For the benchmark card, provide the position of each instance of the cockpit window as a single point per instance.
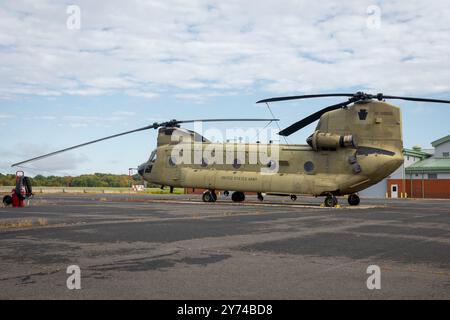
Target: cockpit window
(200, 138)
(152, 156)
(318, 126)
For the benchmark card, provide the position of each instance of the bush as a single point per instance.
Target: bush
(102, 180)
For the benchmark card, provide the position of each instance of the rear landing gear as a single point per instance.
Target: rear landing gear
(330, 201)
(209, 196)
(238, 196)
(260, 196)
(353, 200)
(293, 197)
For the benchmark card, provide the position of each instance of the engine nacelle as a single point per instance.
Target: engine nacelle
(330, 141)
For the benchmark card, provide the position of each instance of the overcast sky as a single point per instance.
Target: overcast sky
(133, 62)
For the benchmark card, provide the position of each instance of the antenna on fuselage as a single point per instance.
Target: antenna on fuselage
(279, 128)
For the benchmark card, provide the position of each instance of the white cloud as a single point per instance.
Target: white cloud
(202, 97)
(203, 48)
(142, 94)
(98, 121)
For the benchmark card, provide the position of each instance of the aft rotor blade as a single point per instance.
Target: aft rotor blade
(80, 145)
(309, 96)
(362, 95)
(313, 117)
(416, 99)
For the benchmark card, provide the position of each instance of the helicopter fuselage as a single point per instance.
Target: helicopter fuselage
(352, 149)
(301, 171)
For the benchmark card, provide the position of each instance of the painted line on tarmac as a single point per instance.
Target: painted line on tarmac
(252, 204)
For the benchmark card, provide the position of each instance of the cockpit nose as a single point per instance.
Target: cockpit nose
(145, 168)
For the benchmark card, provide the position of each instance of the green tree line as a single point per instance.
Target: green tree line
(86, 180)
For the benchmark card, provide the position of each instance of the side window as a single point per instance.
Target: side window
(172, 161)
(308, 167)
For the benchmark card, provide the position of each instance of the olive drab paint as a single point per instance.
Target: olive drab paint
(352, 149)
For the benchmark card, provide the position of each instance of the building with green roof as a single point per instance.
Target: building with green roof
(435, 167)
(438, 167)
(440, 141)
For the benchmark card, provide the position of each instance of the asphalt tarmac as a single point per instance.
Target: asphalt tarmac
(177, 247)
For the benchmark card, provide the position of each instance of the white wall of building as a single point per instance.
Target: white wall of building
(441, 149)
(376, 191)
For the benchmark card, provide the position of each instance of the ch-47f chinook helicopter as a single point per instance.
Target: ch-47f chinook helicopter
(356, 144)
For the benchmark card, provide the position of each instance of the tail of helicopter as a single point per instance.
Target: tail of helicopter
(365, 129)
(374, 130)
(374, 124)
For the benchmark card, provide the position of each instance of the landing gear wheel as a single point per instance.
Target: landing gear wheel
(7, 200)
(293, 197)
(209, 196)
(238, 196)
(226, 193)
(330, 201)
(260, 197)
(353, 200)
(206, 196)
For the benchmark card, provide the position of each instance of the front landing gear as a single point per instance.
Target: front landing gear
(353, 200)
(330, 201)
(260, 196)
(209, 196)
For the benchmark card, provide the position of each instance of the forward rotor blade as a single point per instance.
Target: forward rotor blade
(80, 145)
(416, 99)
(226, 120)
(306, 97)
(313, 117)
(153, 126)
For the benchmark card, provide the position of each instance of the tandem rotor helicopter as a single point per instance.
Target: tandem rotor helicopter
(356, 144)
